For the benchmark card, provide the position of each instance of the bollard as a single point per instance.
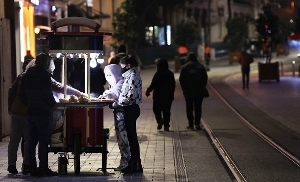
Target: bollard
(293, 67)
(281, 65)
(299, 71)
(177, 64)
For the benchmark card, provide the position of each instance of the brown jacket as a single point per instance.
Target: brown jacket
(15, 106)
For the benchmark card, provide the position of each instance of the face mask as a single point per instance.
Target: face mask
(125, 69)
(122, 65)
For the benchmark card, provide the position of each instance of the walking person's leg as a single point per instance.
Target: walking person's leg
(247, 77)
(25, 141)
(243, 78)
(43, 138)
(167, 114)
(44, 127)
(198, 111)
(189, 112)
(32, 142)
(13, 145)
(157, 110)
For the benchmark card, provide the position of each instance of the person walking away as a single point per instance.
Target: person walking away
(35, 92)
(182, 50)
(19, 126)
(207, 56)
(193, 80)
(163, 87)
(130, 98)
(245, 60)
(113, 75)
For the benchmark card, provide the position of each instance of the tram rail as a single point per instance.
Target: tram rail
(232, 165)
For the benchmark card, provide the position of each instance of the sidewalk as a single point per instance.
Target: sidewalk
(160, 150)
(156, 151)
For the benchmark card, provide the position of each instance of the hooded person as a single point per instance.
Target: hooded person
(36, 92)
(19, 126)
(113, 75)
(193, 79)
(163, 87)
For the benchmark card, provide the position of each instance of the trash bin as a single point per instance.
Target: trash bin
(62, 164)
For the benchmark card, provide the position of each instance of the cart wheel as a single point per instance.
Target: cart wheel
(77, 151)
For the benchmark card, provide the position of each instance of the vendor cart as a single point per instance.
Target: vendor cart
(83, 130)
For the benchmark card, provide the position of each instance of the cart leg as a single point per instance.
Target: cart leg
(77, 152)
(104, 152)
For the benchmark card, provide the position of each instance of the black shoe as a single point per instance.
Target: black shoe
(128, 169)
(166, 129)
(12, 169)
(198, 127)
(139, 167)
(160, 124)
(190, 127)
(134, 166)
(46, 172)
(25, 169)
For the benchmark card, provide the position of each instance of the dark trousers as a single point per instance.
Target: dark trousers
(162, 111)
(245, 76)
(193, 105)
(131, 113)
(39, 130)
(207, 59)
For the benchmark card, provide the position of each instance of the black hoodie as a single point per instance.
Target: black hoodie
(36, 92)
(163, 82)
(193, 77)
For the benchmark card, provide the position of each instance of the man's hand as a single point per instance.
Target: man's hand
(147, 94)
(114, 106)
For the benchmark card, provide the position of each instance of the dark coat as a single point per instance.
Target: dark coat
(15, 106)
(36, 92)
(163, 83)
(193, 78)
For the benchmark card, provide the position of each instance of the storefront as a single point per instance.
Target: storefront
(32, 18)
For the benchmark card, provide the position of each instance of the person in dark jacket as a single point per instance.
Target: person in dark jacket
(245, 60)
(36, 92)
(19, 126)
(163, 87)
(97, 81)
(193, 80)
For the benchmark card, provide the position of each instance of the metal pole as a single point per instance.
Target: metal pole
(281, 65)
(293, 67)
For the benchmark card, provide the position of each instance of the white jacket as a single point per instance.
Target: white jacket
(113, 75)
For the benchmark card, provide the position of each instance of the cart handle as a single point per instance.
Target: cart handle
(77, 21)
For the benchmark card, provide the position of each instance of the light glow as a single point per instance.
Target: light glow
(93, 63)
